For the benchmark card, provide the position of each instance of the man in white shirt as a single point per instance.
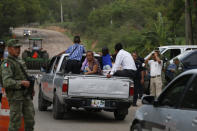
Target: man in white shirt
(125, 61)
(155, 73)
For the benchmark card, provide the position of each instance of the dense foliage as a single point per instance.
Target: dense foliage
(139, 24)
(20, 12)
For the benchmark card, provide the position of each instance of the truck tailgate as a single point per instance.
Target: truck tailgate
(96, 87)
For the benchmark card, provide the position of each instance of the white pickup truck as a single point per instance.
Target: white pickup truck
(90, 92)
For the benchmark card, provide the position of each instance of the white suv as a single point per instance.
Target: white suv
(172, 51)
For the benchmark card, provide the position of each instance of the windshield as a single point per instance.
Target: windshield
(161, 50)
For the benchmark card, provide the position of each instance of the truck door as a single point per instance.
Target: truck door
(48, 78)
(52, 77)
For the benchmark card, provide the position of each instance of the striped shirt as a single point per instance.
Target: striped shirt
(78, 53)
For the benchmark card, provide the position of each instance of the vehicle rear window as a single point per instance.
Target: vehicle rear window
(190, 59)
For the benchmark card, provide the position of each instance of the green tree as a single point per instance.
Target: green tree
(17, 12)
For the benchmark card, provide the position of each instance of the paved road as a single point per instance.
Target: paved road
(80, 120)
(77, 120)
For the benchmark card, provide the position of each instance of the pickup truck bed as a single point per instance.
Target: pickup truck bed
(91, 92)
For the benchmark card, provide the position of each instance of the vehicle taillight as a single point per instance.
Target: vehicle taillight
(65, 86)
(131, 90)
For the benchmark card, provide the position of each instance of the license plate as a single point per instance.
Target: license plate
(98, 103)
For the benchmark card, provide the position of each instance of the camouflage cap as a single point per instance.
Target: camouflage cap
(13, 43)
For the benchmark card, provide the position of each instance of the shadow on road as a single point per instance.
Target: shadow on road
(85, 116)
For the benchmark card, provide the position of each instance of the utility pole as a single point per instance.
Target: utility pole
(61, 8)
(188, 23)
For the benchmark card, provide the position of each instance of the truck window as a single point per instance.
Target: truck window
(50, 66)
(56, 64)
(171, 53)
(63, 66)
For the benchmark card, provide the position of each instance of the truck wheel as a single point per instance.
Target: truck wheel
(58, 108)
(136, 127)
(120, 114)
(42, 103)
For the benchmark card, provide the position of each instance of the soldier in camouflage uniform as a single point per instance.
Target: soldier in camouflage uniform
(16, 85)
(172, 70)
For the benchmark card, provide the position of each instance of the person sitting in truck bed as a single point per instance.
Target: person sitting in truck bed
(90, 64)
(125, 61)
(106, 59)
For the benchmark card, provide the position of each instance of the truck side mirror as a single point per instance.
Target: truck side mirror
(43, 69)
(148, 100)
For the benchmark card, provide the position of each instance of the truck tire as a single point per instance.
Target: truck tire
(58, 108)
(42, 103)
(136, 127)
(120, 114)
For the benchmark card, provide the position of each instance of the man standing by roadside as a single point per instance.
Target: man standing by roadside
(155, 73)
(125, 61)
(138, 92)
(14, 79)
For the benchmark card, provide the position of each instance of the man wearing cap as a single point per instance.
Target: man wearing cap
(15, 83)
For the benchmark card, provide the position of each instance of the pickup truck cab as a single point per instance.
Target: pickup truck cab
(90, 92)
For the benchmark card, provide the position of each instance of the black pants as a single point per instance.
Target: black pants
(126, 73)
(73, 66)
(138, 90)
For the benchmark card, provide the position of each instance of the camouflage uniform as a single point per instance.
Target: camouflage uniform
(20, 104)
(179, 69)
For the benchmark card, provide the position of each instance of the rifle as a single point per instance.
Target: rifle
(31, 79)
